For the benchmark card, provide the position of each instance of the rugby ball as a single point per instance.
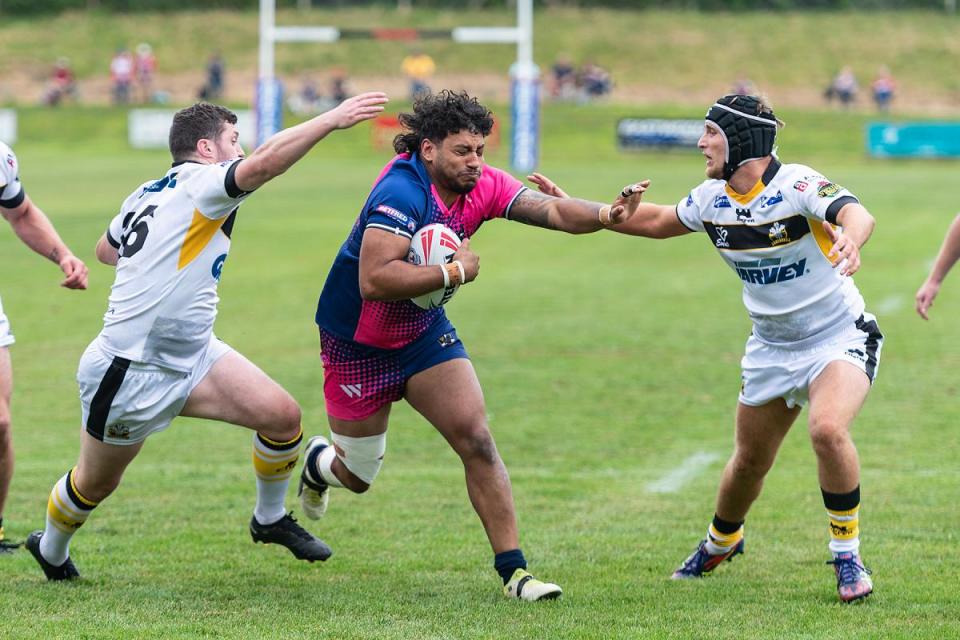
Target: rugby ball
(433, 244)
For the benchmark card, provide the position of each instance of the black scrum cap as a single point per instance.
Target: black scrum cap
(748, 126)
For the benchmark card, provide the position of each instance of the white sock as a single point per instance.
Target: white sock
(274, 463)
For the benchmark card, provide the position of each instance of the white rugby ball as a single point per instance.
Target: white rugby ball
(433, 244)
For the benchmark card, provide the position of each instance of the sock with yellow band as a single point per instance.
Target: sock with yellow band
(67, 510)
(843, 509)
(723, 535)
(274, 463)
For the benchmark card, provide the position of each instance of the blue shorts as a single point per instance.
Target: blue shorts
(359, 380)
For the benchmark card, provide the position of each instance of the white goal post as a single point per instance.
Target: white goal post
(525, 76)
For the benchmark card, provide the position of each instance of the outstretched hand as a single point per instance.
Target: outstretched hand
(844, 254)
(627, 202)
(357, 109)
(547, 186)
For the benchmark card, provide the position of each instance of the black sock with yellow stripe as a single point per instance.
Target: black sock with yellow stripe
(843, 509)
(274, 463)
(67, 510)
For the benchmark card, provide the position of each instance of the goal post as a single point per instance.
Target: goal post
(524, 74)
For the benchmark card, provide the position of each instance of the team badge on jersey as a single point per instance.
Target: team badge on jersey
(828, 189)
(778, 234)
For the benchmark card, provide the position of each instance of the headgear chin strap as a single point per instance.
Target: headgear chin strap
(748, 127)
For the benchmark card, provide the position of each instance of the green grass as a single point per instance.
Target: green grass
(682, 51)
(605, 362)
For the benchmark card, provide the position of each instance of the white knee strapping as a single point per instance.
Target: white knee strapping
(361, 456)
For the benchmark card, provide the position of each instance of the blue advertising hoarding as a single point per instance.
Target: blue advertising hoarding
(913, 139)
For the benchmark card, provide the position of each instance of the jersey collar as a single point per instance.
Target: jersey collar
(765, 179)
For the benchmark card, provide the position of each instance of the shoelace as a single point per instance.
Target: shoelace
(696, 560)
(848, 570)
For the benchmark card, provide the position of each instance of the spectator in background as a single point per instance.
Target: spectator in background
(62, 84)
(307, 100)
(338, 85)
(843, 88)
(883, 88)
(213, 88)
(564, 76)
(121, 75)
(743, 86)
(419, 68)
(595, 81)
(145, 65)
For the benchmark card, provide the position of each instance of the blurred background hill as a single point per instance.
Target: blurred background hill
(676, 56)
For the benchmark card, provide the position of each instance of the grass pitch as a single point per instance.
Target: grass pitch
(606, 362)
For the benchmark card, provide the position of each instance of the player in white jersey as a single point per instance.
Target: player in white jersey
(157, 356)
(776, 227)
(948, 256)
(35, 230)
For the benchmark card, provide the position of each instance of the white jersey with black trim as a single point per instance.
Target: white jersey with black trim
(172, 236)
(773, 239)
(11, 191)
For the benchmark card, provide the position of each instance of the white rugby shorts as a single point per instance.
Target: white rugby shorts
(123, 402)
(774, 372)
(6, 338)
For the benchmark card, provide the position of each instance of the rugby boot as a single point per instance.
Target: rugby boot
(524, 586)
(65, 571)
(287, 533)
(853, 579)
(702, 561)
(7, 546)
(314, 494)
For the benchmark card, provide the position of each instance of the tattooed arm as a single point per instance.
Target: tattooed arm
(573, 215)
(36, 231)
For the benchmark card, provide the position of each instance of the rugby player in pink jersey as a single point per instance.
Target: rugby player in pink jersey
(378, 347)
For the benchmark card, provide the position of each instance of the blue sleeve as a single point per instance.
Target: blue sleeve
(397, 205)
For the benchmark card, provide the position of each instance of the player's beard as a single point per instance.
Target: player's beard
(461, 182)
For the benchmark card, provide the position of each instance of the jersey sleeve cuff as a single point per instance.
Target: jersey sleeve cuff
(835, 206)
(113, 243)
(506, 211)
(391, 228)
(677, 211)
(230, 182)
(15, 201)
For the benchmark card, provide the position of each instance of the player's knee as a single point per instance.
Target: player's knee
(751, 464)
(283, 423)
(476, 445)
(361, 457)
(828, 434)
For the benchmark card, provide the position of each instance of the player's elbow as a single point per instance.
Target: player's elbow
(370, 290)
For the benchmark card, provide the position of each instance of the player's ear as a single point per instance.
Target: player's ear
(205, 148)
(427, 149)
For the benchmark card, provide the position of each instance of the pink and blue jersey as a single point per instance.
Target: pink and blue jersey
(402, 200)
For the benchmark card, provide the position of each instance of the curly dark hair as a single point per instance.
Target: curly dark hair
(198, 122)
(435, 116)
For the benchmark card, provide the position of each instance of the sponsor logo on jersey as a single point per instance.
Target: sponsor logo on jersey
(390, 212)
(769, 270)
(721, 238)
(161, 184)
(800, 185)
(828, 189)
(218, 266)
(690, 199)
(772, 200)
(11, 161)
(744, 215)
(721, 202)
(778, 234)
(858, 354)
